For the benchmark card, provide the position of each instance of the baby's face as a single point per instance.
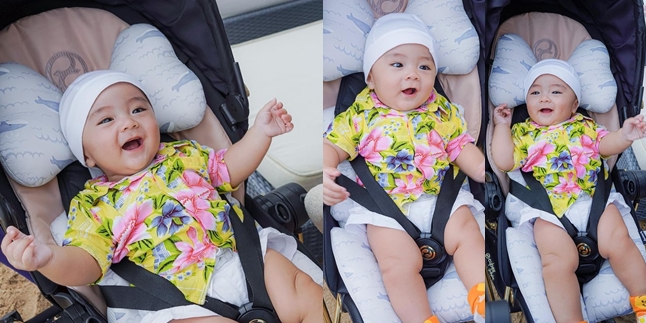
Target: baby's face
(550, 101)
(403, 77)
(121, 135)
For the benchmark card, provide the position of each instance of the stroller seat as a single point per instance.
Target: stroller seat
(351, 262)
(603, 297)
(63, 44)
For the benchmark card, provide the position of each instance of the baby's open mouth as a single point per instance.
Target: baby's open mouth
(410, 91)
(545, 110)
(132, 144)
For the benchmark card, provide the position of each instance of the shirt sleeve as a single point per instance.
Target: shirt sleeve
(520, 139)
(460, 136)
(345, 131)
(86, 230)
(600, 133)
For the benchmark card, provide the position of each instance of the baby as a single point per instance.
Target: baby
(159, 206)
(564, 151)
(409, 135)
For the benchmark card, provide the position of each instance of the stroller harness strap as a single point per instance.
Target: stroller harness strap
(152, 292)
(590, 260)
(374, 198)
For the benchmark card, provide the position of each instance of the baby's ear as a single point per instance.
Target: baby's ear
(89, 162)
(575, 106)
(369, 82)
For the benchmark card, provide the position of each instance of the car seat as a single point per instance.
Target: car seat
(351, 270)
(43, 204)
(603, 297)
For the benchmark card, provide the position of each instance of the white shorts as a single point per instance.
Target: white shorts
(420, 212)
(228, 281)
(523, 216)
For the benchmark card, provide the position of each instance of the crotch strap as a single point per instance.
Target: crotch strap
(374, 198)
(590, 260)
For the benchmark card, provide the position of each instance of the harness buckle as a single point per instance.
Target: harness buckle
(250, 314)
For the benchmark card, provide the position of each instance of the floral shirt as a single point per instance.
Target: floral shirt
(564, 157)
(407, 152)
(167, 218)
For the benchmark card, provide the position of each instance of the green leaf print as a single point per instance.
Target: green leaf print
(576, 132)
(539, 170)
(145, 244)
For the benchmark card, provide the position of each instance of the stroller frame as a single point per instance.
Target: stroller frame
(624, 17)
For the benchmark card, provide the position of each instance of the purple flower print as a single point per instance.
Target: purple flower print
(561, 162)
(403, 161)
(169, 222)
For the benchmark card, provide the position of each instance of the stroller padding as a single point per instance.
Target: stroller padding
(63, 43)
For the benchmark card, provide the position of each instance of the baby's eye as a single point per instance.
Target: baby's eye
(138, 110)
(105, 120)
(425, 68)
(535, 93)
(556, 92)
(397, 65)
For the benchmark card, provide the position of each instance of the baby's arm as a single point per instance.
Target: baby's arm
(333, 193)
(471, 162)
(68, 266)
(502, 146)
(243, 157)
(617, 141)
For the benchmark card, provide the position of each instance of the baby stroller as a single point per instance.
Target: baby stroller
(553, 29)
(207, 55)
(350, 268)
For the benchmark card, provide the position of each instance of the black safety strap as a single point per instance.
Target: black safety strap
(152, 292)
(536, 197)
(248, 245)
(374, 198)
(385, 203)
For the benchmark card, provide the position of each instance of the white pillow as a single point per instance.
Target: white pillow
(347, 23)
(32, 148)
(514, 58)
(176, 93)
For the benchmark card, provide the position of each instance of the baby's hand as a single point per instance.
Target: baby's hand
(634, 128)
(501, 115)
(333, 193)
(24, 251)
(273, 120)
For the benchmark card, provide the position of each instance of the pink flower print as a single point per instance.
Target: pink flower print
(567, 185)
(589, 147)
(218, 171)
(424, 160)
(197, 207)
(134, 184)
(579, 160)
(454, 148)
(192, 253)
(356, 122)
(198, 185)
(130, 228)
(537, 155)
(408, 186)
(372, 144)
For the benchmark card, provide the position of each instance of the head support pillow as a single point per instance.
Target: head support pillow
(346, 25)
(32, 147)
(514, 59)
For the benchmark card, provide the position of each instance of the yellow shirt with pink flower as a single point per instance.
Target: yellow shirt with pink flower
(564, 157)
(167, 218)
(409, 152)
